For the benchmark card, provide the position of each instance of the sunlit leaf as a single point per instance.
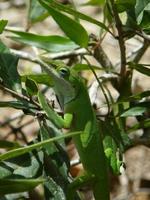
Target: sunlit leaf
(77, 14)
(36, 12)
(95, 2)
(140, 7)
(3, 48)
(26, 149)
(8, 186)
(50, 43)
(3, 23)
(71, 28)
(39, 78)
(135, 111)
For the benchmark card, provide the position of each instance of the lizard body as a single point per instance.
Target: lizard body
(89, 144)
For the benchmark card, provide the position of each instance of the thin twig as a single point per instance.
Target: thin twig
(18, 96)
(141, 51)
(99, 82)
(60, 55)
(100, 55)
(120, 40)
(140, 141)
(143, 35)
(14, 94)
(136, 54)
(102, 58)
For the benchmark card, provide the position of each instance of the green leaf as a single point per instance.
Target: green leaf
(18, 105)
(36, 12)
(52, 190)
(8, 186)
(39, 78)
(132, 98)
(8, 144)
(54, 63)
(71, 28)
(31, 87)
(140, 7)
(57, 159)
(15, 196)
(47, 130)
(95, 2)
(5, 171)
(3, 23)
(8, 71)
(3, 48)
(23, 150)
(76, 14)
(56, 168)
(140, 68)
(28, 165)
(53, 43)
(145, 25)
(81, 67)
(124, 5)
(135, 111)
(138, 96)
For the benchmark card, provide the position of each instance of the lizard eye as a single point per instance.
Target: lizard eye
(64, 72)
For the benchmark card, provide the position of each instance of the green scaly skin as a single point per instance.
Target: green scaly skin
(91, 153)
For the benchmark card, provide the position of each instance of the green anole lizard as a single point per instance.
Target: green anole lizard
(79, 116)
(86, 133)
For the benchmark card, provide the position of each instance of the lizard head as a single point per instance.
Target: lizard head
(69, 77)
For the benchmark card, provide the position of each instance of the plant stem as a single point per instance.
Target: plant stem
(120, 40)
(18, 96)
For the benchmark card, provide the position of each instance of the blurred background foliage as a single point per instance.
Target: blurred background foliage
(108, 37)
